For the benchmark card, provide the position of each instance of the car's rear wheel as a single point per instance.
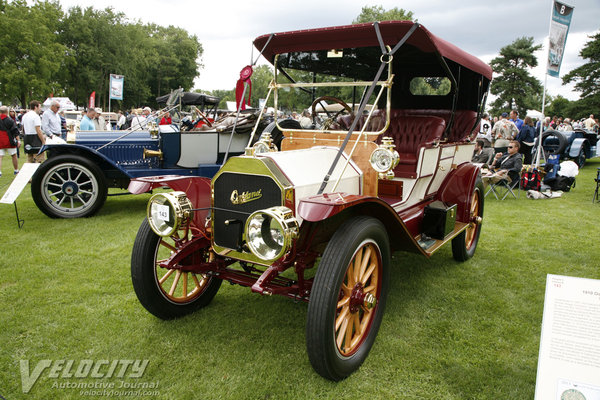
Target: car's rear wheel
(347, 298)
(168, 293)
(580, 160)
(464, 245)
(68, 186)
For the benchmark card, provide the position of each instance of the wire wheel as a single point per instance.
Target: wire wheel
(68, 186)
(358, 297)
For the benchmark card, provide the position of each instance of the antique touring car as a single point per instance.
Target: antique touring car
(74, 181)
(339, 198)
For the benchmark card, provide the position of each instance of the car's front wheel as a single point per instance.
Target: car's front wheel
(168, 293)
(68, 186)
(348, 298)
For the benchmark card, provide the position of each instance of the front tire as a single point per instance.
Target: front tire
(464, 245)
(348, 297)
(68, 186)
(167, 293)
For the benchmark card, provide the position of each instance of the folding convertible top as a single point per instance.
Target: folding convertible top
(364, 35)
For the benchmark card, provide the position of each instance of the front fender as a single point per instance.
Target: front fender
(454, 189)
(322, 208)
(197, 189)
(77, 149)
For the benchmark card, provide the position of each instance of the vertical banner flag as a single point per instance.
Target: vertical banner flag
(92, 103)
(559, 28)
(116, 87)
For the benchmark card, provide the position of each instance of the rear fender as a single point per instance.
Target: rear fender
(578, 144)
(453, 190)
(196, 188)
(334, 208)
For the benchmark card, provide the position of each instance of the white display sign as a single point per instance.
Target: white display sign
(569, 359)
(19, 183)
(162, 212)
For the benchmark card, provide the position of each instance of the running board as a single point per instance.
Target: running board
(430, 245)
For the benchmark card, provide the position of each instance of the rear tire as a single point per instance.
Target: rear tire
(348, 297)
(464, 245)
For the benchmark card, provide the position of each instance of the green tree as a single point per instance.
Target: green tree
(378, 13)
(174, 62)
(513, 84)
(30, 55)
(587, 77)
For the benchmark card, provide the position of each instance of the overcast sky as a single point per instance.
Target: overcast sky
(481, 27)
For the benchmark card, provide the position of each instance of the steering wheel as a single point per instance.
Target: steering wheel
(204, 117)
(330, 122)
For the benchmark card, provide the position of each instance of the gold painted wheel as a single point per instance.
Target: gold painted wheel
(169, 293)
(358, 298)
(347, 298)
(471, 231)
(176, 285)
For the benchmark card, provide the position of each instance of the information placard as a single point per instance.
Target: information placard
(19, 183)
(569, 359)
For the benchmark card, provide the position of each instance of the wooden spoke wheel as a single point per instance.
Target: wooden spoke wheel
(358, 298)
(348, 298)
(464, 245)
(168, 293)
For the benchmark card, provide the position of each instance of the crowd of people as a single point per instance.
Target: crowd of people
(498, 141)
(506, 142)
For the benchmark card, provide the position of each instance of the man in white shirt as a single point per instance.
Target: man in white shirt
(34, 137)
(139, 121)
(589, 123)
(51, 120)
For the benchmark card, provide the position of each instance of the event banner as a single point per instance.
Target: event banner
(92, 102)
(559, 29)
(116, 87)
(569, 358)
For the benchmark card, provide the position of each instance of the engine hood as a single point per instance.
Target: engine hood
(305, 169)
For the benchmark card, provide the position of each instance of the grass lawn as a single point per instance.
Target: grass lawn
(451, 330)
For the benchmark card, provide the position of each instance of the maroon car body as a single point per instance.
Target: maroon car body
(340, 196)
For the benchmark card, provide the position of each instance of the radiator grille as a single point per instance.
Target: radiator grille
(230, 236)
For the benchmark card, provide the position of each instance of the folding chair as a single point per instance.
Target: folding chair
(505, 187)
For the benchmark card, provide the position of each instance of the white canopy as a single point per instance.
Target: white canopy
(65, 103)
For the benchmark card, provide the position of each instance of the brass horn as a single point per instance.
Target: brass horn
(153, 153)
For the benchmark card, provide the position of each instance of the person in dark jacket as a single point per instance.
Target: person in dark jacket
(507, 165)
(526, 138)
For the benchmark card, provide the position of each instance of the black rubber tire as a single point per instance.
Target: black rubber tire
(460, 250)
(323, 352)
(562, 141)
(276, 134)
(55, 168)
(580, 160)
(145, 281)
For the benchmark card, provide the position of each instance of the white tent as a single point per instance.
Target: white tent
(65, 103)
(534, 114)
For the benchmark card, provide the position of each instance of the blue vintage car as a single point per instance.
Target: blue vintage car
(577, 145)
(74, 180)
